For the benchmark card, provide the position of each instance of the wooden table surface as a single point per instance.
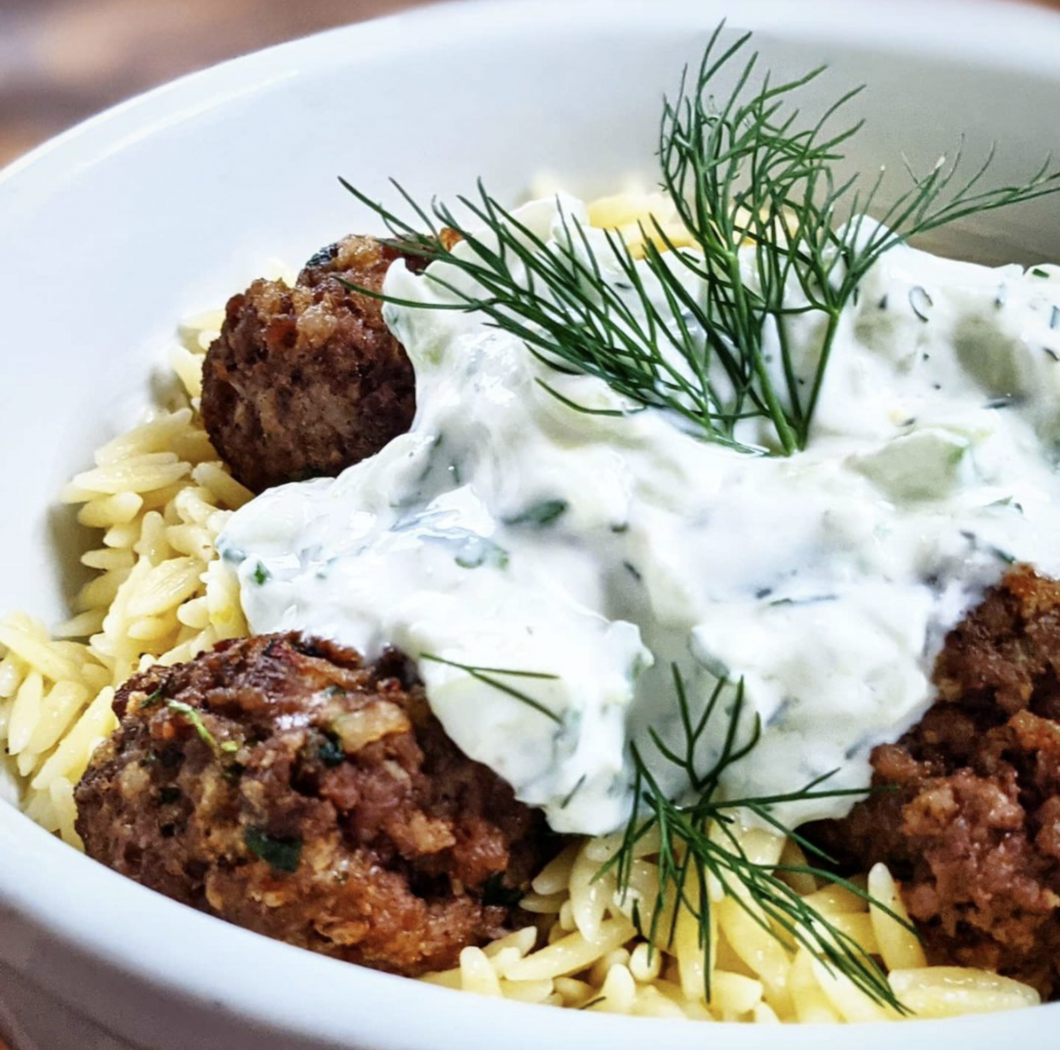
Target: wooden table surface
(62, 60)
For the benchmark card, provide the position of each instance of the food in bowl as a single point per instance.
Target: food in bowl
(576, 667)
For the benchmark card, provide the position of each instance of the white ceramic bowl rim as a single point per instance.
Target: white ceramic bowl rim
(49, 895)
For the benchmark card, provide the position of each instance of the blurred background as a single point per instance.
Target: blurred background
(61, 60)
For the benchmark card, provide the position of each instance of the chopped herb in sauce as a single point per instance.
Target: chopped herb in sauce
(482, 552)
(543, 513)
(920, 302)
(574, 791)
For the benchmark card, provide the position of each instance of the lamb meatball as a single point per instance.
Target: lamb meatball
(281, 784)
(968, 811)
(304, 381)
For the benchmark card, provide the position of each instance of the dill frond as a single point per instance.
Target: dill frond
(684, 329)
(491, 676)
(697, 844)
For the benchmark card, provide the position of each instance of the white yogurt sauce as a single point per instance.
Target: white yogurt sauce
(507, 530)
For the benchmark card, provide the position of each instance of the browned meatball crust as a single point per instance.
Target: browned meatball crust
(279, 783)
(304, 381)
(969, 814)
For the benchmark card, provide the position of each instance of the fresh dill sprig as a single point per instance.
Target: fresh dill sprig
(777, 235)
(698, 845)
(697, 842)
(741, 173)
(488, 676)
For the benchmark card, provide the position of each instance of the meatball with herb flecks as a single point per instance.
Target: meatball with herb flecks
(280, 783)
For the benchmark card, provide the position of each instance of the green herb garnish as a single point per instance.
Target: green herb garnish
(279, 854)
(261, 574)
(488, 676)
(481, 552)
(195, 718)
(689, 853)
(151, 699)
(757, 191)
(569, 798)
(543, 513)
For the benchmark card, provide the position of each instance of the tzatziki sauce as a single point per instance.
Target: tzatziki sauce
(605, 555)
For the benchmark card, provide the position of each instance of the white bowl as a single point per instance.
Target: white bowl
(169, 203)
